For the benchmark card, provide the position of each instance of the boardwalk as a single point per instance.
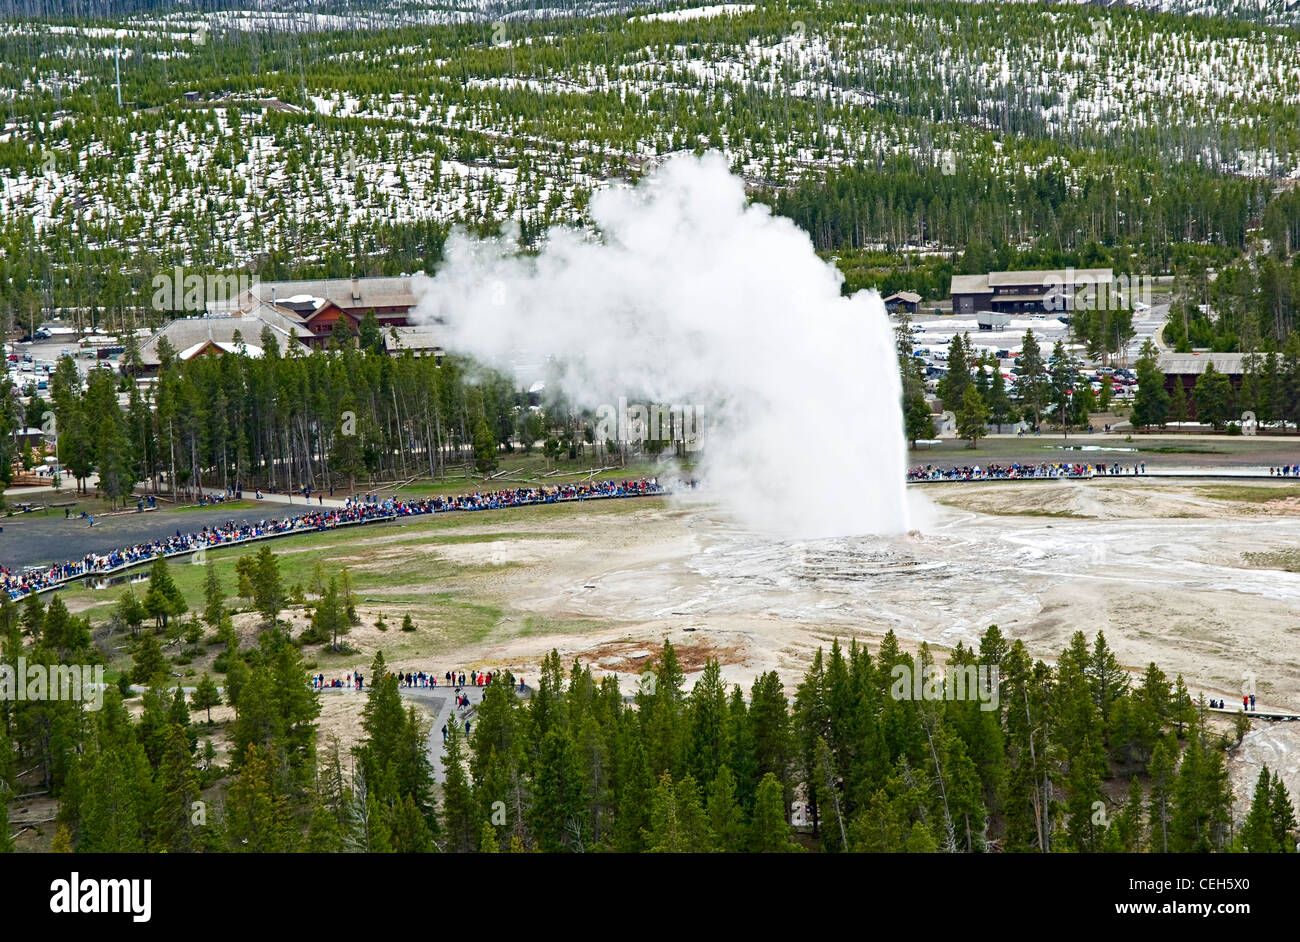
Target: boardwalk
(1256, 714)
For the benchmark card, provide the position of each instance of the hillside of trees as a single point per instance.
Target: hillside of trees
(1011, 135)
(1080, 756)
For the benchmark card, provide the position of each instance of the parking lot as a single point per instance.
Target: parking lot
(31, 363)
(932, 336)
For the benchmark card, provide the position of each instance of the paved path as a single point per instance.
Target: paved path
(295, 500)
(440, 702)
(38, 539)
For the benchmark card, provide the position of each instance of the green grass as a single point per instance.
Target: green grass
(1055, 447)
(1191, 448)
(439, 593)
(1251, 494)
(453, 603)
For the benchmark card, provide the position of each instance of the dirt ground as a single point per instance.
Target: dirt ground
(1170, 574)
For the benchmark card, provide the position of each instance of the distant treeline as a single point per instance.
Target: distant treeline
(901, 203)
(342, 413)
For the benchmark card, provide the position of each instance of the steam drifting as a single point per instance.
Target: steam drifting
(689, 295)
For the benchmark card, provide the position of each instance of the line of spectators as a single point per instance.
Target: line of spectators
(19, 584)
(1016, 471)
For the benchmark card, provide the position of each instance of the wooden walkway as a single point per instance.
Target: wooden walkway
(1256, 714)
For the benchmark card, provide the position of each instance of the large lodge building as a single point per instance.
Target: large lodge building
(300, 315)
(1025, 292)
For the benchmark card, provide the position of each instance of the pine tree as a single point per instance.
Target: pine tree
(409, 829)
(62, 843)
(665, 834)
(1033, 376)
(129, 612)
(206, 696)
(457, 797)
(1283, 817)
(972, 416)
(918, 421)
(694, 823)
(1202, 798)
(953, 386)
(33, 617)
(1178, 402)
(215, 615)
(259, 813)
(1001, 410)
(1256, 835)
(558, 818)
(1128, 823)
(811, 720)
(148, 662)
(769, 830)
(1214, 397)
(769, 717)
(348, 597)
(1086, 807)
(115, 811)
(726, 820)
(178, 789)
(1160, 799)
(488, 841)
(163, 600)
(1107, 678)
(324, 834)
(268, 590)
(708, 738)
(1151, 403)
(329, 619)
(63, 633)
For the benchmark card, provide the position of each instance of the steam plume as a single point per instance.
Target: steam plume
(690, 295)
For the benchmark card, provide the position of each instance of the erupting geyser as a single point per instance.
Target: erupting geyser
(689, 295)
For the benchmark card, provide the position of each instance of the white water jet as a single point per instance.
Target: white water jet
(688, 294)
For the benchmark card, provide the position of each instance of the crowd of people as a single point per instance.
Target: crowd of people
(20, 584)
(451, 680)
(1247, 703)
(1286, 471)
(352, 681)
(1016, 470)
